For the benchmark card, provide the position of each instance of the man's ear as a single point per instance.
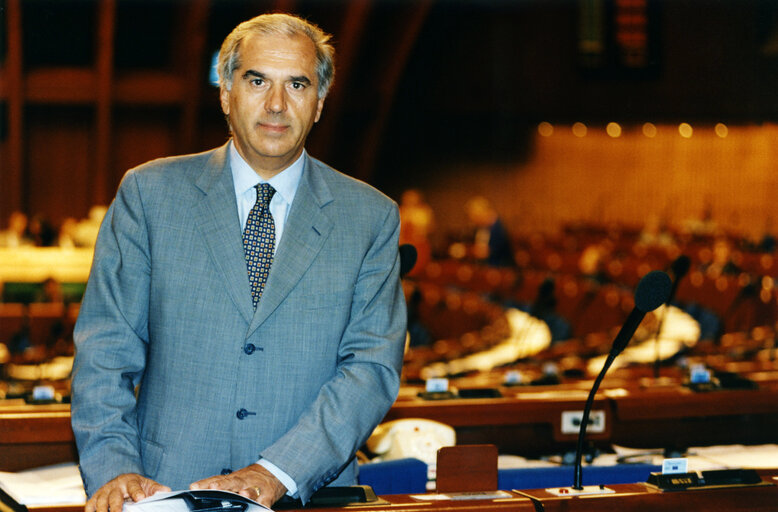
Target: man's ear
(319, 108)
(224, 98)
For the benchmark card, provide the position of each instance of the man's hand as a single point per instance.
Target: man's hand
(129, 486)
(254, 482)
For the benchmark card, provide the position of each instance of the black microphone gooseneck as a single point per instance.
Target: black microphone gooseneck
(652, 291)
(679, 267)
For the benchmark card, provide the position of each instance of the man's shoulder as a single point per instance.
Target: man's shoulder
(173, 166)
(343, 185)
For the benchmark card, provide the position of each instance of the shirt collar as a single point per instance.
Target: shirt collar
(285, 182)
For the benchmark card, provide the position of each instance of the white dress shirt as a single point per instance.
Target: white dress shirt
(285, 184)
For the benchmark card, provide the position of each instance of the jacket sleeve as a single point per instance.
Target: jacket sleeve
(367, 380)
(110, 339)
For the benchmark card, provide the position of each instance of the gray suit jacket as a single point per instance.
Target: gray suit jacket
(177, 378)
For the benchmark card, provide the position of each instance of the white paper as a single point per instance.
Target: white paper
(174, 502)
(50, 485)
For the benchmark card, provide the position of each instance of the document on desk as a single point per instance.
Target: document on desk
(459, 496)
(59, 484)
(203, 500)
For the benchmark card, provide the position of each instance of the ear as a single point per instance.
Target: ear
(319, 108)
(224, 98)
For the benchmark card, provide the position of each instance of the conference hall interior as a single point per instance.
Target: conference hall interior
(549, 158)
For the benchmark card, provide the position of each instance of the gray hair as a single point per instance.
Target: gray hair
(229, 55)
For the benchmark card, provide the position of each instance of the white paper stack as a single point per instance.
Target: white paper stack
(50, 485)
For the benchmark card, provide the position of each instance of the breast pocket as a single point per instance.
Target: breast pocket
(324, 300)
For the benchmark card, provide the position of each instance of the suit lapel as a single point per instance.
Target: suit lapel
(305, 231)
(216, 217)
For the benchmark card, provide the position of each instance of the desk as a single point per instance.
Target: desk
(639, 412)
(632, 497)
(35, 435)
(526, 420)
(34, 264)
(640, 497)
(678, 417)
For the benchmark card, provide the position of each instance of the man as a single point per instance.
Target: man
(492, 241)
(187, 372)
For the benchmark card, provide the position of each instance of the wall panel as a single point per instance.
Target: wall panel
(625, 180)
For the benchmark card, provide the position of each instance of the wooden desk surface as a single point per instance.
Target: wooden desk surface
(526, 420)
(34, 436)
(639, 497)
(632, 497)
(639, 412)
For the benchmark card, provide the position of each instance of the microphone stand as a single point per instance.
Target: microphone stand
(577, 476)
(652, 291)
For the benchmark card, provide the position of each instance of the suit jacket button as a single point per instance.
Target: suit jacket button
(226, 471)
(249, 348)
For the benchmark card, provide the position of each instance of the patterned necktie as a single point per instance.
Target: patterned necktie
(258, 241)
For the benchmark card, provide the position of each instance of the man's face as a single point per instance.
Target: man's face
(273, 101)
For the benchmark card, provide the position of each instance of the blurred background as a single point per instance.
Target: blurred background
(559, 111)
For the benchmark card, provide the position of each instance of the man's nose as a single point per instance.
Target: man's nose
(276, 100)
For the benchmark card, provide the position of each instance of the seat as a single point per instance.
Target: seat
(12, 320)
(47, 323)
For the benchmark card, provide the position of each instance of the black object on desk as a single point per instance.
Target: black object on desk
(203, 502)
(479, 393)
(333, 497)
(705, 480)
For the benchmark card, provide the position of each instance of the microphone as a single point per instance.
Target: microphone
(408, 257)
(652, 291)
(679, 267)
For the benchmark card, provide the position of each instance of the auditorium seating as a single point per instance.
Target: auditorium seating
(13, 319)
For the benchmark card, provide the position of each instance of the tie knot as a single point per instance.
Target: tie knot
(264, 193)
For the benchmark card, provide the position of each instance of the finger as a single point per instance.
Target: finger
(265, 500)
(116, 499)
(208, 483)
(201, 484)
(156, 487)
(91, 505)
(135, 490)
(252, 493)
(216, 482)
(101, 501)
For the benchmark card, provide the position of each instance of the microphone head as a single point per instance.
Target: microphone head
(680, 266)
(408, 257)
(652, 291)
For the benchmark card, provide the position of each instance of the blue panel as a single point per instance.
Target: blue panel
(402, 476)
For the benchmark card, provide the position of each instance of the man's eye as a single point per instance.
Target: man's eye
(257, 81)
(298, 85)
